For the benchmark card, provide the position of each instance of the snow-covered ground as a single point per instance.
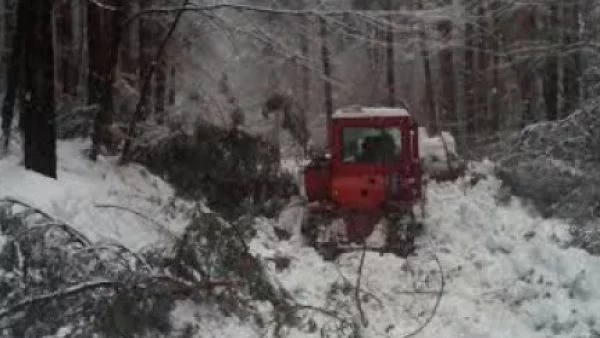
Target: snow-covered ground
(84, 189)
(507, 271)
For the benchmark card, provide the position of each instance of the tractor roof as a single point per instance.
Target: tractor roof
(368, 112)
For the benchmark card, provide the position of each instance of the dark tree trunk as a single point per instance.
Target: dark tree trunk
(103, 28)
(469, 81)
(38, 88)
(66, 45)
(146, 38)
(13, 73)
(572, 67)
(328, 91)
(551, 73)
(482, 69)
(160, 91)
(172, 87)
(526, 32)
(495, 44)
(305, 71)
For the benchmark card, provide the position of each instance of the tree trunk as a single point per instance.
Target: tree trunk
(495, 43)
(305, 71)
(38, 87)
(571, 62)
(146, 39)
(3, 33)
(391, 69)
(429, 98)
(551, 67)
(526, 32)
(13, 76)
(103, 26)
(160, 91)
(482, 69)
(447, 97)
(172, 86)
(469, 81)
(66, 44)
(328, 91)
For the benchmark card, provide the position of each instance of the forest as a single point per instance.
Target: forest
(163, 144)
(117, 69)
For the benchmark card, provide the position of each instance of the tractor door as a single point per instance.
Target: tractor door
(368, 161)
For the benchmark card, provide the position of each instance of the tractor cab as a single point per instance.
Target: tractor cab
(372, 170)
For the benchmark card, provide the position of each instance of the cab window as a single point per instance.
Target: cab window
(371, 145)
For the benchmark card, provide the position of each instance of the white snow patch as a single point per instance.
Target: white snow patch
(83, 184)
(210, 322)
(361, 112)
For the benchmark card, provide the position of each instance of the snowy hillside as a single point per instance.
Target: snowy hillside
(506, 271)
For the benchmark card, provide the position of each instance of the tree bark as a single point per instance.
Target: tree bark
(495, 43)
(3, 33)
(146, 39)
(103, 26)
(38, 88)
(551, 73)
(391, 69)
(429, 98)
(482, 69)
(469, 81)
(571, 62)
(327, 87)
(172, 86)
(305, 71)
(67, 75)
(160, 91)
(447, 97)
(13, 76)
(527, 26)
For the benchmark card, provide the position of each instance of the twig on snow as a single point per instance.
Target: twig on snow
(159, 226)
(79, 288)
(363, 318)
(437, 303)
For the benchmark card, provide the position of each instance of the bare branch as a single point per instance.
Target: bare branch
(159, 226)
(104, 6)
(73, 290)
(363, 318)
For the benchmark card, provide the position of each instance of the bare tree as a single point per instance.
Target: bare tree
(37, 99)
(103, 24)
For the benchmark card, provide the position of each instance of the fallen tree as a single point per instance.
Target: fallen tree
(555, 165)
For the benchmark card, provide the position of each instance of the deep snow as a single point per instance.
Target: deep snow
(508, 272)
(83, 185)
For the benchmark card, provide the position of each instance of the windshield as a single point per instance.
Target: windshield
(371, 145)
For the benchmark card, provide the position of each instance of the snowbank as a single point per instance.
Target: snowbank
(83, 186)
(508, 273)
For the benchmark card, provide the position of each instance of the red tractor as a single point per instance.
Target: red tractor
(368, 190)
